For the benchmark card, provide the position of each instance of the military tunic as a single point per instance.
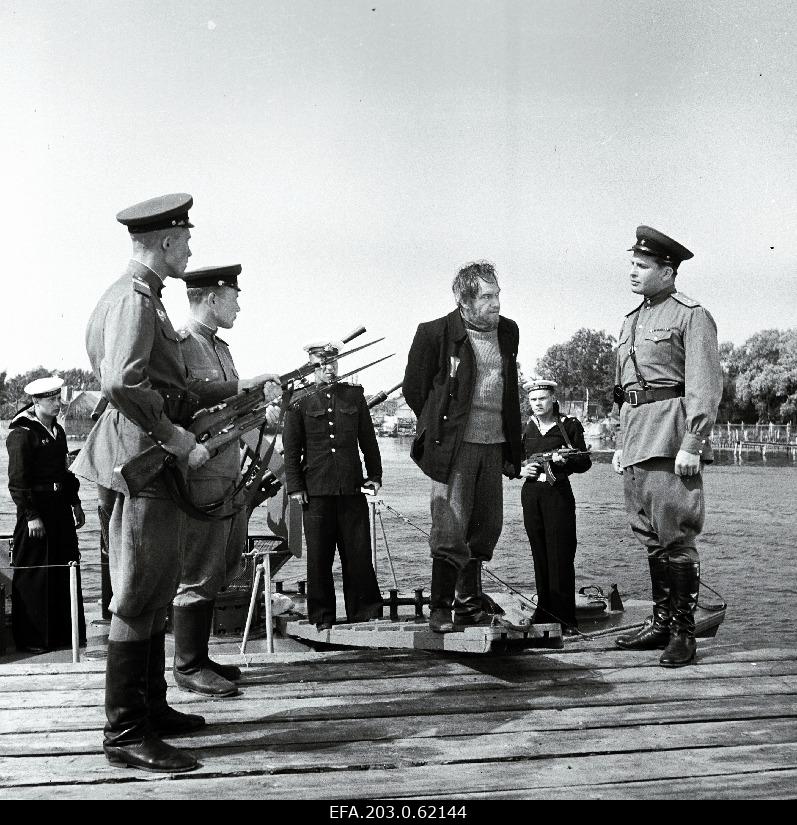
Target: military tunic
(42, 487)
(320, 440)
(211, 548)
(135, 353)
(676, 348)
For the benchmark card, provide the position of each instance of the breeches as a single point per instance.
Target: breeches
(666, 511)
(212, 549)
(145, 546)
(468, 510)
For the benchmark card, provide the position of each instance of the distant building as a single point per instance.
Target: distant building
(76, 418)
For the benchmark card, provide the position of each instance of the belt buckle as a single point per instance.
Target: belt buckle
(632, 397)
(56, 486)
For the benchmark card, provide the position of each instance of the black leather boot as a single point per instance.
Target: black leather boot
(655, 633)
(129, 739)
(444, 580)
(164, 719)
(685, 584)
(468, 596)
(191, 669)
(229, 672)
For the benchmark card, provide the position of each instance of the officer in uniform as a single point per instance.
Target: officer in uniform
(135, 353)
(323, 471)
(48, 512)
(212, 548)
(668, 386)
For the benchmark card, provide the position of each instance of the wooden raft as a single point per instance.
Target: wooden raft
(414, 634)
(593, 722)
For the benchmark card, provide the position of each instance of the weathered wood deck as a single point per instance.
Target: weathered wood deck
(589, 721)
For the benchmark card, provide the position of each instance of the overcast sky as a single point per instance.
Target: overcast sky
(353, 155)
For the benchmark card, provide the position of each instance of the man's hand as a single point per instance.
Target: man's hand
(272, 414)
(36, 528)
(374, 485)
(687, 464)
(617, 462)
(301, 497)
(531, 470)
(198, 456)
(78, 515)
(509, 470)
(268, 380)
(181, 443)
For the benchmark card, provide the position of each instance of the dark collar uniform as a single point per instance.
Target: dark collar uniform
(676, 349)
(42, 487)
(320, 440)
(442, 402)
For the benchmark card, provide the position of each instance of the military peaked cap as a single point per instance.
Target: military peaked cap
(324, 347)
(45, 387)
(163, 212)
(533, 384)
(650, 241)
(214, 276)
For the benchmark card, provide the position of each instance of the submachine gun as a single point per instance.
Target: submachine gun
(224, 423)
(546, 459)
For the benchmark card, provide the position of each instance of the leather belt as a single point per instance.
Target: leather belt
(52, 487)
(648, 396)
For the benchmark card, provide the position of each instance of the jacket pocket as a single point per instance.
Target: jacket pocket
(656, 347)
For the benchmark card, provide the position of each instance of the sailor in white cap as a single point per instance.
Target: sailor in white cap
(549, 510)
(48, 513)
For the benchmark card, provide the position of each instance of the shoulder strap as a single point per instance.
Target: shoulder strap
(632, 352)
(563, 432)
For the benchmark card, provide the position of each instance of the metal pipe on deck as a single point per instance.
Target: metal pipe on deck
(73, 567)
(252, 602)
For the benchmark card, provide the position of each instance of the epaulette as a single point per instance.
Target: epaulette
(685, 300)
(140, 285)
(635, 309)
(183, 333)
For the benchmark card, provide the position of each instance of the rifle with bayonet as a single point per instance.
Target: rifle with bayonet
(225, 423)
(547, 462)
(381, 396)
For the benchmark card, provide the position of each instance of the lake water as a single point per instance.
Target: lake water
(747, 548)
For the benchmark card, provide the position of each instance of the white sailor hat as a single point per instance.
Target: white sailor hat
(324, 347)
(45, 387)
(532, 384)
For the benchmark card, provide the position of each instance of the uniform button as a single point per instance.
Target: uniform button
(329, 409)
(332, 435)
(333, 449)
(328, 395)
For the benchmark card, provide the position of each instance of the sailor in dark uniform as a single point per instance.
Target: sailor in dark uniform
(323, 471)
(669, 385)
(549, 508)
(48, 512)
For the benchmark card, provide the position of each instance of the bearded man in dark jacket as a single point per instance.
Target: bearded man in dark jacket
(461, 382)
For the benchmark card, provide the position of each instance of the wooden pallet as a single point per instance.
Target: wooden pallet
(414, 634)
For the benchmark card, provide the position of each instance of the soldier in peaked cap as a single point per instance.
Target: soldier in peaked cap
(135, 353)
(549, 509)
(48, 512)
(323, 471)
(668, 386)
(211, 548)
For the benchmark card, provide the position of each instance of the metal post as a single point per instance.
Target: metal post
(372, 505)
(73, 610)
(252, 602)
(269, 613)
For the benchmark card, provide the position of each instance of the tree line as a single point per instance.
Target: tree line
(759, 376)
(12, 393)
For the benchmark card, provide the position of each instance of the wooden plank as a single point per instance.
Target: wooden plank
(265, 684)
(355, 746)
(323, 706)
(43, 727)
(574, 774)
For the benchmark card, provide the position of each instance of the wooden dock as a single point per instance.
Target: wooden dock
(588, 721)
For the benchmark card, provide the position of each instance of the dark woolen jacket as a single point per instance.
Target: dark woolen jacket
(442, 402)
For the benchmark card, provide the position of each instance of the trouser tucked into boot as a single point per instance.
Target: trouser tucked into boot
(684, 584)
(129, 739)
(655, 634)
(163, 718)
(192, 670)
(468, 604)
(444, 580)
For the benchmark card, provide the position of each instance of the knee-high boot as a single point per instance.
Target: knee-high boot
(163, 718)
(444, 581)
(191, 668)
(468, 596)
(685, 585)
(655, 634)
(129, 739)
(229, 672)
